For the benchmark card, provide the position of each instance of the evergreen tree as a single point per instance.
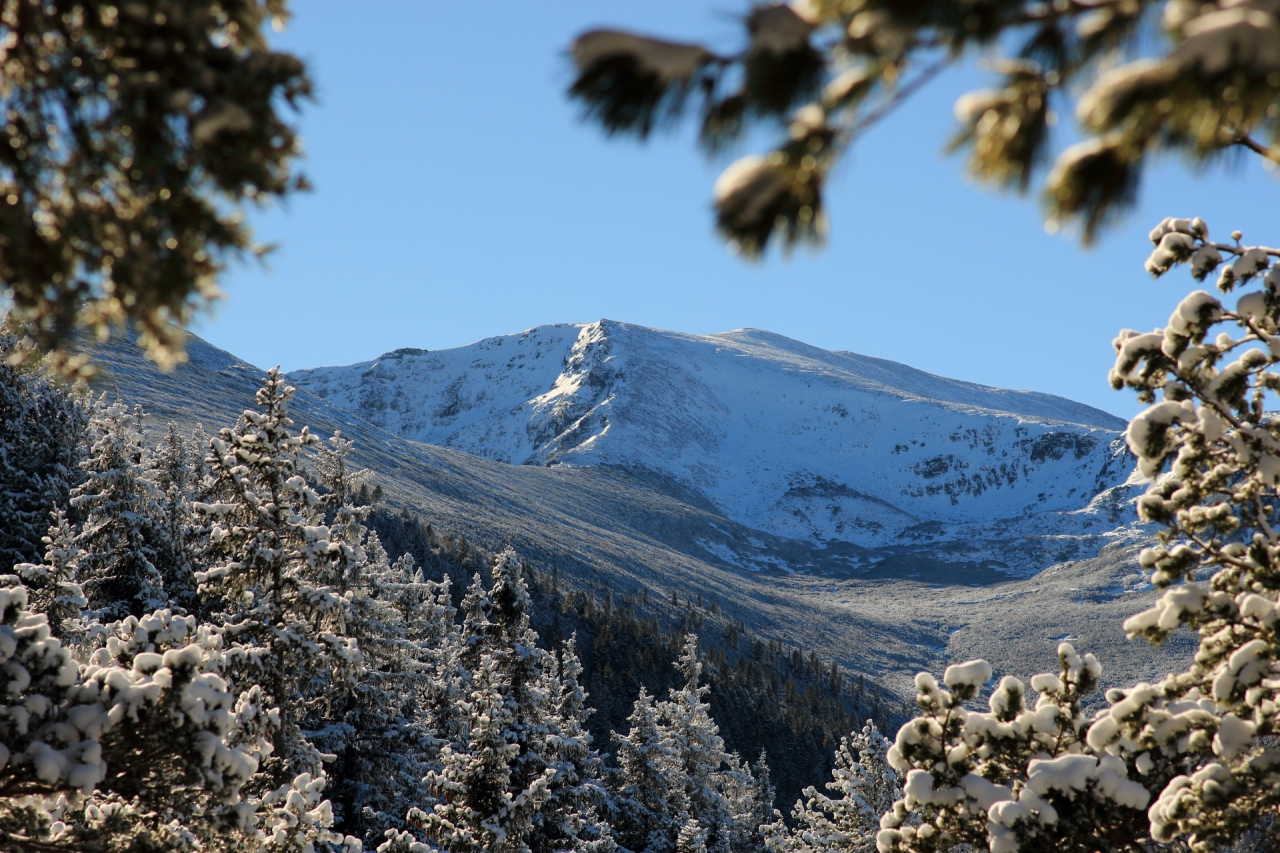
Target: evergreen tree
(521, 775)
(42, 430)
(51, 586)
(383, 730)
(130, 752)
(692, 837)
(484, 805)
(388, 726)
(719, 788)
(674, 773)
(271, 584)
(570, 819)
(750, 795)
(121, 510)
(176, 467)
(1188, 760)
(696, 746)
(863, 786)
(341, 484)
(647, 798)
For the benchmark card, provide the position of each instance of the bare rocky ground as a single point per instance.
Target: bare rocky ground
(624, 529)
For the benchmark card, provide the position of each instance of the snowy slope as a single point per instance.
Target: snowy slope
(904, 607)
(780, 436)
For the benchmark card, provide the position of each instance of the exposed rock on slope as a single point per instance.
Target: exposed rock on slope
(831, 448)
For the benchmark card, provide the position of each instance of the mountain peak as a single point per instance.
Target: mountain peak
(778, 434)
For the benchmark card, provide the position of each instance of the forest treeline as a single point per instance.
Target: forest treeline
(765, 695)
(207, 644)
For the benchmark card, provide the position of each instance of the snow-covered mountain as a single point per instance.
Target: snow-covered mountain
(840, 450)
(883, 612)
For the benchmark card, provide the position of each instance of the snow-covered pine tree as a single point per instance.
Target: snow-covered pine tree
(121, 509)
(700, 760)
(1191, 759)
(51, 586)
(176, 467)
(42, 433)
(483, 804)
(432, 625)
(129, 752)
(674, 772)
(292, 818)
(1016, 778)
(409, 642)
(480, 633)
(570, 819)
(270, 584)
(381, 726)
(692, 837)
(341, 483)
(750, 796)
(863, 786)
(647, 799)
(494, 792)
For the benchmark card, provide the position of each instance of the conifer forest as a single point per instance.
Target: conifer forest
(605, 587)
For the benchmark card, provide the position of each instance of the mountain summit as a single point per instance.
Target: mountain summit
(828, 447)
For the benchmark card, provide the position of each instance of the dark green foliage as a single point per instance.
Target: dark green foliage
(630, 83)
(132, 133)
(42, 434)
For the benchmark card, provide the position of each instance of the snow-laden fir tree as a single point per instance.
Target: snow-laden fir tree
(647, 798)
(176, 467)
(128, 752)
(51, 586)
(292, 818)
(483, 804)
(696, 746)
(42, 430)
(674, 772)
(495, 775)
(382, 725)
(521, 746)
(570, 819)
(692, 837)
(710, 775)
(1213, 451)
(863, 786)
(1190, 759)
(333, 470)
(752, 803)
(121, 512)
(404, 625)
(271, 584)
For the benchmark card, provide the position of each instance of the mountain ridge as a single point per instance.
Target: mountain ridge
(896, 611)
(781, 436)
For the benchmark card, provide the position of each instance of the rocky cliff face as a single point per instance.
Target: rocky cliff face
(832, 448)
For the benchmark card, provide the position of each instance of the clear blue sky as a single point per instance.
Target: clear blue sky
(458, 196)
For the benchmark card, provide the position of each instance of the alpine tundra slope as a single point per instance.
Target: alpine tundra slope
(888, 519)
(864, 458)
